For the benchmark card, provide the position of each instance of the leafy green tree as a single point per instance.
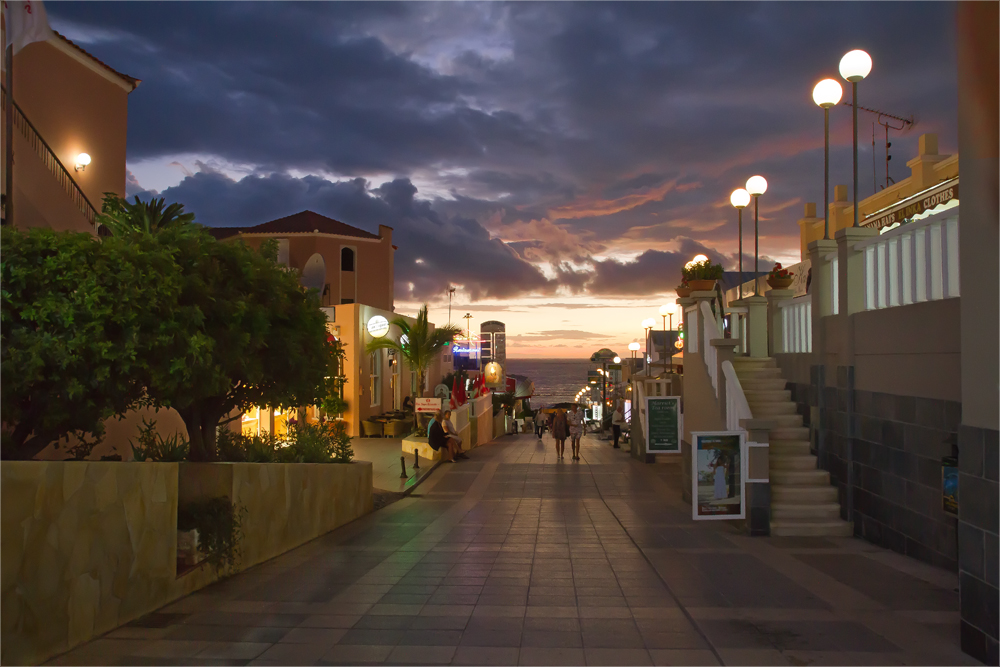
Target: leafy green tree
(419, 345)
(245, 334)
(78, 320)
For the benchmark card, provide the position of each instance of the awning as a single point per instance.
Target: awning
(903, 210)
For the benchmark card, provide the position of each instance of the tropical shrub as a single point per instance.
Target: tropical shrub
(153, 447)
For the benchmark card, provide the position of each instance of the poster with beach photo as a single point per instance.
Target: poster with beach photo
(718, 475)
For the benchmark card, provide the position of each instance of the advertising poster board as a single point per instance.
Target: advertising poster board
(949, 484)
(663, 424)
(718, 476)
(427, 405)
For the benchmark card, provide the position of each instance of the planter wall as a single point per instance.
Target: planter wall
(91, 545)
(287, 504)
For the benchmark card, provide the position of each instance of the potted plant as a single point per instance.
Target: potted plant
(684, 290)
(779, 278)
(701, 276)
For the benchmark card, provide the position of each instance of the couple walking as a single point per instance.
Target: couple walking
(565, 424)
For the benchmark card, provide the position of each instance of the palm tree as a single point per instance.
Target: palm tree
(119, 217)
(418, 344)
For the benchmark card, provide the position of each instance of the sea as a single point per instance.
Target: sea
(556, 380)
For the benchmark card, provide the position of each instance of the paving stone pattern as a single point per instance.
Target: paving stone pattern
(515, 557)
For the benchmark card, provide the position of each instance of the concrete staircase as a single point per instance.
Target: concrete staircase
(803, 502)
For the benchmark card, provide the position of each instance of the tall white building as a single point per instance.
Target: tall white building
(493, 341)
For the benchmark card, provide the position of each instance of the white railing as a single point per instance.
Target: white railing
(711, 332)
(737, 323)
(913, 263)
(691, 329)
(737, 407)
(796, 324)
(655, 387)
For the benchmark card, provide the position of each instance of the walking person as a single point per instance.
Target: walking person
(576, 427)
(540, 421)
(617, 421)
(560, 429)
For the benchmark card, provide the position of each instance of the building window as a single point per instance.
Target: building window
(346, 301)
(375, 377)
(346, 259)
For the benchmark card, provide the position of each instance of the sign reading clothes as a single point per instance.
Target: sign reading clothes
(663, 424)
(378, 326)
(914, 206)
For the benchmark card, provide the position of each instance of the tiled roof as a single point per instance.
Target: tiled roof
(305, 222)
(131, 80)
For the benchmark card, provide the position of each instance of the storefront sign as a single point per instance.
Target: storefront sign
(663, 424)
(718, 474)
(915, 207)
(430, 405)
(378, 326)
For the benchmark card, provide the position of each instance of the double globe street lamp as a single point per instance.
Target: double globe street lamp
(827, 94)
(756, 186)
(855, 66)
(740, 198)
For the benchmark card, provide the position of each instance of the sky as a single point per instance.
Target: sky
(557, 163)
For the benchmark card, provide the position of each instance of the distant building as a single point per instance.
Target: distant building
(493, 342)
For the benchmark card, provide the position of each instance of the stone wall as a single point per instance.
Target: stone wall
(89, 546)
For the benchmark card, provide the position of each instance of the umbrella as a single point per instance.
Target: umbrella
(566, 406)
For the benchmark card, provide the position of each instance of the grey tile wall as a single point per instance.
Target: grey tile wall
(896, 443)
(978, 558)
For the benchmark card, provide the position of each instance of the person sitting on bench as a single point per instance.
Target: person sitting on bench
(438, 440)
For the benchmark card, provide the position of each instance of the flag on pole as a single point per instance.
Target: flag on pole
(26, 23)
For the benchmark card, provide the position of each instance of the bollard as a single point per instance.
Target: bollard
(402, 464)
(416, 460)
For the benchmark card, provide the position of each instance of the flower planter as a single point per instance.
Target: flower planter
(683, 292)
(701, 285)
(779, 283)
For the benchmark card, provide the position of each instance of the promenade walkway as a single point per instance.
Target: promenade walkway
(517, 558)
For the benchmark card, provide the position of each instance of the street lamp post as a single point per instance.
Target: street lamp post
(667, 310)
(855, 66)
(827, 94)
(740, 198)
(756, 186)
(647, 324)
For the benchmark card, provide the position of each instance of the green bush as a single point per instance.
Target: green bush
(153, 447)
(220, 530)
(702, 271)
(305, 443)
(240, 448)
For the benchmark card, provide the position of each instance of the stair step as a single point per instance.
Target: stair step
(784, 421)
(751, 373)
(819, 512)
(803, 495)
(811, 529)
(767, 395)
(754, 362)
(760, 410)
(789, 448)
(796, 462)
(766, 384)
(780, 432)
(800, 477)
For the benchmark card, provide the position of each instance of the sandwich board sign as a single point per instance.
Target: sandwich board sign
(663, 424)
(430, 405)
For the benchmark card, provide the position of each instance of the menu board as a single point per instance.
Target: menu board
(663, 424)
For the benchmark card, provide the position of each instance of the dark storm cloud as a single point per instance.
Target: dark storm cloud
(569, 129)
(452, 251)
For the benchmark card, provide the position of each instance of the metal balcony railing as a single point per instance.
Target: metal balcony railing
(49, 159)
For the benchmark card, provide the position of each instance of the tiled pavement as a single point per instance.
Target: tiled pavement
(516, 558)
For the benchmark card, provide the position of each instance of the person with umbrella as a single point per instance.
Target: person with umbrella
(560, 429)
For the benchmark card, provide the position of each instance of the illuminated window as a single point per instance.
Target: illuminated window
(375, 377)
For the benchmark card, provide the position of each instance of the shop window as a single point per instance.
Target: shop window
(346, 259)
(375, 377)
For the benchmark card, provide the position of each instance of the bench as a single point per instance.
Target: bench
(418, 444)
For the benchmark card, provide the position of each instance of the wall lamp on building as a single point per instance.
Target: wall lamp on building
(756, 186)
(82, 160)
(855, 66)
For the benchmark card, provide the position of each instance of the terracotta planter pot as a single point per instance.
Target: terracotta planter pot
(701, 285)
(779, 283)
(683, 292)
